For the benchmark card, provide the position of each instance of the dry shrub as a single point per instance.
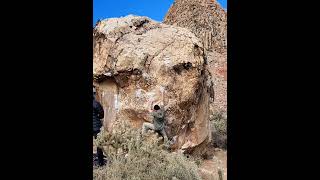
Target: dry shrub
(136, 157)
(219, 129)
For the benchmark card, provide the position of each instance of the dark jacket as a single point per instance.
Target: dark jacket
(158, 119)
(98, 114)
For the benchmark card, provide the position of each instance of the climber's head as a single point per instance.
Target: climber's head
(156, 107)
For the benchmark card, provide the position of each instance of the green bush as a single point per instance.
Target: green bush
(136, 157)
(219, 129)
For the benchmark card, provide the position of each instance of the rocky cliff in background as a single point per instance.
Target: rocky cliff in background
(137, 60)
(205, 18)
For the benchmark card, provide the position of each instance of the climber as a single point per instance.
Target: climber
(98, 114)
(158, 122)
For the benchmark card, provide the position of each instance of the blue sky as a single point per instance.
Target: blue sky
(155, 9)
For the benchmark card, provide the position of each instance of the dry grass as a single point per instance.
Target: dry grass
(135, 157)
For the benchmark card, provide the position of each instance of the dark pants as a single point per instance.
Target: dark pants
(99, 152)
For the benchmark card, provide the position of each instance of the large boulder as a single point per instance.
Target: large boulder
(137, 60)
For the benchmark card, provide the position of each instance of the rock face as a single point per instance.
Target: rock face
(217, 65)
(208, 21)
(205, 18)
(137, 60)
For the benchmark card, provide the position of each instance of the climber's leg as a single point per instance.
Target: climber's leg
(164, 135)
(147, 126)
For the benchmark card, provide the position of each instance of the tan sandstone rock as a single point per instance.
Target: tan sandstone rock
(137, 60)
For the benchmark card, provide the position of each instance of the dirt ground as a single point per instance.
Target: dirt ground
(209, 168)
